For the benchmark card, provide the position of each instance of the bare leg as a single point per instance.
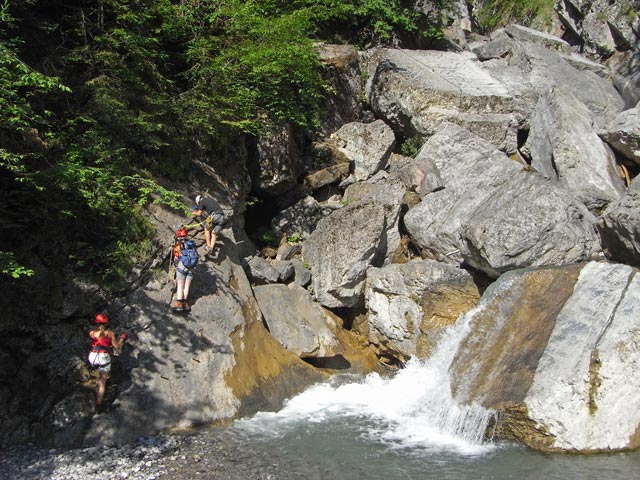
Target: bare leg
(207, 237)
(102, 384)
(180, 290)
(186, 285)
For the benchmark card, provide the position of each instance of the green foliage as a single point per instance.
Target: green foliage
(496, 13)
(250, 69)
(295, 238)
(84, 148)
(104, 101)
(9, 266)
(411, 146)
(253, 61)
(20, 85)
(268, 237)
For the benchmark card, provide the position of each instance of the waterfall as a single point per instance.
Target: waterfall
(412, 409)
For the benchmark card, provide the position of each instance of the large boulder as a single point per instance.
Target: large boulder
(554, 350)
(316, 335)
(565, 146)
(527, 221)
(409, 305)
(527, 69)
(387, 193)
(465, 163)
(414, 91)
(299, 324)
(367, 145)
(623, 134)
(619, 227)
(495, 213)
(340, 250)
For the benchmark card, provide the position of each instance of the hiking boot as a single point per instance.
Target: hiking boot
(178, 306)
(186, 307)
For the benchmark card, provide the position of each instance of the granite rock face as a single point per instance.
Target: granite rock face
(408, 305)
(619, 227)
(565, 146)
(555, 350)
(495, 213)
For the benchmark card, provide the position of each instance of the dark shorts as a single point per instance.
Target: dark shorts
(214, 222)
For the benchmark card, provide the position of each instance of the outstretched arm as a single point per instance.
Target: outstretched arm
(118, 342)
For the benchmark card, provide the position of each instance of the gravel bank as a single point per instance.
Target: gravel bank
(206, 455)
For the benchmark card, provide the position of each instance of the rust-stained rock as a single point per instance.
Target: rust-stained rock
(265, 374)
(410, 304)
(555, 351)
(327, 176)
(313, 333)
(498, 368)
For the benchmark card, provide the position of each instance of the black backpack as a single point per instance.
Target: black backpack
(189, 254)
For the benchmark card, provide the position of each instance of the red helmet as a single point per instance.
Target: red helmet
(181, 233)
(102, 318)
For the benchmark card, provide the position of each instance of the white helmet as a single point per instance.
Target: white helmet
(198, 198)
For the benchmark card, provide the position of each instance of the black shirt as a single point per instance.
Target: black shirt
(210, 205)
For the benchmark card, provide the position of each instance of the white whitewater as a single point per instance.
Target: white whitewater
(412, 410)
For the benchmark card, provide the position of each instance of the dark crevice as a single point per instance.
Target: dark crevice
(336, 362)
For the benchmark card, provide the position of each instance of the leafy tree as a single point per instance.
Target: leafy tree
(104, 100)
(75, 145)
(251, 68)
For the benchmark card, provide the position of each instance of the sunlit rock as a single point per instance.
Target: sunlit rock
(367, 145)
(303, 327)
(414, 91)
(340, 250)
(555, 350)
(528, 69)
(408, 305)
(495, 213)
(623, 134)
(619, 227)
(565, 146)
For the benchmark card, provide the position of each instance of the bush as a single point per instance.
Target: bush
(492, 14)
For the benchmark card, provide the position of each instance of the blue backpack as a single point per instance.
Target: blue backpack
(189, 254)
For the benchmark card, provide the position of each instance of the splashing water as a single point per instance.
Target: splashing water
(412, 410)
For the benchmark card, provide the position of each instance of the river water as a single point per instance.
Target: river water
(379, 428)
(403, 427)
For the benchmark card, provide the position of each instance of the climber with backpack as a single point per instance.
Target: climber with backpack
(185, 259)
